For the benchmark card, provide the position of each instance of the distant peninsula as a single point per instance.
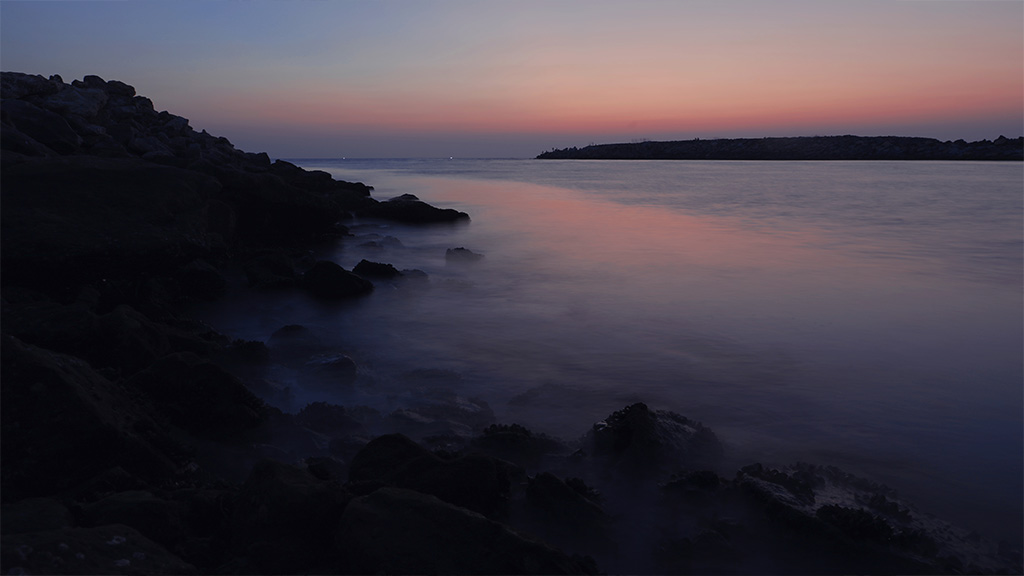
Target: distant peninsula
(801, 148)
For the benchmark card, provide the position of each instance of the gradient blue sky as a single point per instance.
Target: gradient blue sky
(499, 78)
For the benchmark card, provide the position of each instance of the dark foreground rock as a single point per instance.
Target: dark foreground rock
(112, 549)
(399, 531)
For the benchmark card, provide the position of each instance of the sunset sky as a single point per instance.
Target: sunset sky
(513, 78)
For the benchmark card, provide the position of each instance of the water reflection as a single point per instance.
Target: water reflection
(794, 332)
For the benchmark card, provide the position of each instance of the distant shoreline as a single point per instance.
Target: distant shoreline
(1001, 149)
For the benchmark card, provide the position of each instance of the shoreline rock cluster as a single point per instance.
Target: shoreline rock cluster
(136, 440)
(800, 148)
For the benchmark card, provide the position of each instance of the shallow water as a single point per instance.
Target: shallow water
(861, 314)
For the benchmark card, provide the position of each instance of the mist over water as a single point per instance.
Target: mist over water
(861, 314)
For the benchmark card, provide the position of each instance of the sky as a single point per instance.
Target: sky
(513, 78)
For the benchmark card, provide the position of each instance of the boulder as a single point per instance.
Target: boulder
(568, 513)
(637, 439)
(270, 269)
(369, 269)
(76, 101)
(43, 126)
(332, 420)
(411, 210)
(34, 515)
(397, 531)
(329, 281)
(461, 255)
(285, 520)
(517, 444)
(199, 396)
(157, 519)
(62, 424)
(80, 220)
(476, 482)
(16, 85)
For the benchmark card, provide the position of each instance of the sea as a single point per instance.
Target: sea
(866, 315)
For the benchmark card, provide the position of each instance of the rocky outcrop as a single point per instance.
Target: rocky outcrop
(801, 148)
(637, 439)
(409, 209)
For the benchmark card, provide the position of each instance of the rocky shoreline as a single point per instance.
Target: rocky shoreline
(136, 440)
(800, 148)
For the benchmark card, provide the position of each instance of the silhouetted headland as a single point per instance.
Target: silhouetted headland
(137, 440)
(801, 148)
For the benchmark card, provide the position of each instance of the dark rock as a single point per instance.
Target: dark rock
(461, 255)
(156, 519)
(199, 396)
(517, 444)
(638, 439)
(335, 367)
(477, 482)
(398, 531)
(271, 269)
(63, 424)
(74, 221)
(329, 281)
(34, 515)
(42, 126)
(855, 523)
(332, 420)
(376, 270)
(794, 486)
(76, 101)
(567, 515)
(285, 520)
(411, 210)
(294, 340)
(112, 549)
(16, 85)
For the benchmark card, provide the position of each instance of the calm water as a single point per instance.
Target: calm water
(861, 314)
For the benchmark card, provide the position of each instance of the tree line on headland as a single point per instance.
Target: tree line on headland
(800, 148)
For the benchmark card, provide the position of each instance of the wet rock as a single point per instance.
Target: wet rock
(112, 549)
(409, 209)
(399, 531)
(329, 281)
(477, 482)
(638, 439)
(199, 396)
(285, 520)
(460, 254)
(369, 269)
(294, 340)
